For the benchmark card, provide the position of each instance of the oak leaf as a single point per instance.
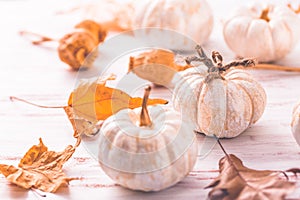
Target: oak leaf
(40, 169)
(92, 101)
(157, 66)
(236, 181)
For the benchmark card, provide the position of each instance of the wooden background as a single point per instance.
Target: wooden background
(36, 73)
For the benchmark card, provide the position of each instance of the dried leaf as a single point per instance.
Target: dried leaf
(157, 66)
(76, 48)
(40, 169)
(92, 100)
(81, 125)
(236, 181)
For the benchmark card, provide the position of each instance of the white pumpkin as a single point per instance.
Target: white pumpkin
(147, 153)
(193, 19)
(296, 123)
(220, 101)
(266, 33)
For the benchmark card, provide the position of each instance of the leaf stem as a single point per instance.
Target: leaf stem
(263, 66)
(13, 98)
(144, 117)
(220, 144)
(40, 37)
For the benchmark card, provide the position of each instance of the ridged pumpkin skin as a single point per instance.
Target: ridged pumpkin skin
(296, 123)
(192, 18)
(147, 158)
(249, 35)
(223, 107)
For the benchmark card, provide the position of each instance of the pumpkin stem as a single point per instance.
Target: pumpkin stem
(244, 63)
(202, 58)
(216, 64)
(264, 15)
(144, 117)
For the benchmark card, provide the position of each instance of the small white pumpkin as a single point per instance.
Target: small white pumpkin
(193, 19)
(266, 33)
(146, 154)
(296, 123)
(220, 101)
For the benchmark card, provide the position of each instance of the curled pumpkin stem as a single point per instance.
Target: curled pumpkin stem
(217, 58)
(243, 63)
(216, 63)
(202, 58)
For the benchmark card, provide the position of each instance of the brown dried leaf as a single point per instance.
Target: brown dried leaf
(78, 48)
(157, 66)
(81, 125)
(40, 169)
(236, 181)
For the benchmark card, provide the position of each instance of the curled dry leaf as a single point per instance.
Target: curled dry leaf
(239, 182)
(78, 48)
(157, 66)
(81, 125)
(92, 102)
(40, 169)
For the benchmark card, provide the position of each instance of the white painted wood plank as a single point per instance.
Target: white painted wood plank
(38, 75)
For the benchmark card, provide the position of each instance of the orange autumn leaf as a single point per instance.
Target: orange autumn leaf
(40, 169)
(92, 100)
(156, 56)
(157, 66)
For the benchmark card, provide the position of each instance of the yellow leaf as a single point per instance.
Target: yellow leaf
(92, 100)
(40, 169)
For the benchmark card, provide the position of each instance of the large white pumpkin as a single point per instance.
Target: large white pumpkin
(266, 33)
(150, 156)
(192, 18)
(221, 102)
